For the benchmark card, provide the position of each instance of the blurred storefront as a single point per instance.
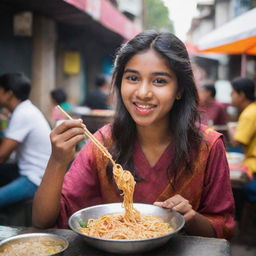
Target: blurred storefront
(227, 28)
(236, 37)
(61, 43)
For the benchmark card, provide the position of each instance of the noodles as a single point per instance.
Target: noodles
(31, 248)
(125, 182)
(116, 227)
(131, 225)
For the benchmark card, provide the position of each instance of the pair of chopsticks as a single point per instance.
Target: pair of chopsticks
(90, 135)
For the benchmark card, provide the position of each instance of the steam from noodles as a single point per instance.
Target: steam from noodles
(131, 225)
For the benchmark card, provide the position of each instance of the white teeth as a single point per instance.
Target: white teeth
(144, 106)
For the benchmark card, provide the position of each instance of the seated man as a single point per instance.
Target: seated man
(99, 97)
(214, 112)
(28, 135)
(244, 133)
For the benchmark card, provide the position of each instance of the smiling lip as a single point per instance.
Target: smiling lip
(144, 109)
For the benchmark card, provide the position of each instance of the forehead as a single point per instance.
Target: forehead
(203, 90)
(148, 59)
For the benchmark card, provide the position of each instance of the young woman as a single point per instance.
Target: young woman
(177, 163)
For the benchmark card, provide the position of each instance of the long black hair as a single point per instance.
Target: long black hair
(184, 116)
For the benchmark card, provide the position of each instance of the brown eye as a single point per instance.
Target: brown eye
(159, 81)
(132, 78)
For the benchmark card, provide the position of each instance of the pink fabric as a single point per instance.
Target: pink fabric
(56, 114)
(155, 178)
(212, 197)
(217, 198)
(214, 112)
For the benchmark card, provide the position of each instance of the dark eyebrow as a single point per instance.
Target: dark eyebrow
(162, 74)
(154, 73)
(131, 71)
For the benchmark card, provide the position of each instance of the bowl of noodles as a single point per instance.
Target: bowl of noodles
(38, 244)
(105, 227)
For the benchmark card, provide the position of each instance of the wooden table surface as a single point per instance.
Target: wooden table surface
(177, 246)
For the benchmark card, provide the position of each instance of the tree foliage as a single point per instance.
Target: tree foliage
(156, 16)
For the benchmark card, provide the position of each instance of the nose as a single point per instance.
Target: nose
(144, 91)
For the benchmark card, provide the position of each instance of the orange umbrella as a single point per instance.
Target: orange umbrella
(247, 45)
(235, 37)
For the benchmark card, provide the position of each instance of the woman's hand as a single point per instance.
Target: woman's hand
(179, 204)
(46, 203)
(64, 138)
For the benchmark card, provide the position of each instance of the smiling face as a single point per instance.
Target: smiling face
(148, 89)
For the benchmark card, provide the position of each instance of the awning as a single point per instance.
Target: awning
(105, 13)
(194, 51)
(235, 37)
(97, 14)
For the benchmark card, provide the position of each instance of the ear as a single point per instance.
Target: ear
(242, 95)
(178, 96)
(10, 93)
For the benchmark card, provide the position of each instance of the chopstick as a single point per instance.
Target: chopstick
(90, 135)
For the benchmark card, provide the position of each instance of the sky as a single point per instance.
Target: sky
(181, 13)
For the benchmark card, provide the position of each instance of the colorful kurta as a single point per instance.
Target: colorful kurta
(246, 134)
(207, 188)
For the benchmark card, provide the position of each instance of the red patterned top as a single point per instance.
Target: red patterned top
(207, 188)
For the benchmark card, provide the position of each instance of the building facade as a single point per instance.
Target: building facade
(62, 43)
(213, 15)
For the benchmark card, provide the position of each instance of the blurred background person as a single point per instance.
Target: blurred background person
(4, 114)
(100, 98)
(213, 111)
(27, 134)
(244, 131)
(59, 97)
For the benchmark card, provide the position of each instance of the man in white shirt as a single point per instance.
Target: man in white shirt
(27, 134)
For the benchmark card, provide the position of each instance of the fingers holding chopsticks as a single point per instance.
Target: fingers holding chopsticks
(64, 138)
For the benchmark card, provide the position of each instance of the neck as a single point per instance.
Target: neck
(209, 101)
(154, 135)
(14, 102)
(245, 104)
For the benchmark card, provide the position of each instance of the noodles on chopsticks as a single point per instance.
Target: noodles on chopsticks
(125, 182)
(130, 225)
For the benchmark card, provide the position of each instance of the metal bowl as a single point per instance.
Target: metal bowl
(175, 219)
(35, 237)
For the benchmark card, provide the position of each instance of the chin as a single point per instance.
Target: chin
(143, 123)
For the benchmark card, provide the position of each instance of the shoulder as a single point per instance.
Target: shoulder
(209, 133)
(103, 135)
(26, 109)
(105, 131)
(249, 111)
(219, 105)
(28, 116)
(92, 152)
(210, 136)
